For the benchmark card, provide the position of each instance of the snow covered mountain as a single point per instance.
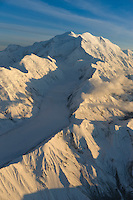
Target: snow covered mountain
(66, 120)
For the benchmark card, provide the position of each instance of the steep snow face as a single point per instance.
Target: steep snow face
(114, 62)
(22, 90)
(129, 53)
(28, 73)
(91, 158)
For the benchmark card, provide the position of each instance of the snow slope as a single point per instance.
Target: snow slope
(66, 113)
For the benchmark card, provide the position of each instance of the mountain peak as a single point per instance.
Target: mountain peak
(66, 109)
(12, 47)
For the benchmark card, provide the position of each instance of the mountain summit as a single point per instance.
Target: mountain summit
(66, 122)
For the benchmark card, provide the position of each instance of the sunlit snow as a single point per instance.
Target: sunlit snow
(66, 120)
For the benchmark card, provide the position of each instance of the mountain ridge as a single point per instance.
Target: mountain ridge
(80, 88)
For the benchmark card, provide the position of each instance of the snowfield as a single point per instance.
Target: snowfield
(66, 120)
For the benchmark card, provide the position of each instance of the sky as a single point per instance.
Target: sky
(24, 22)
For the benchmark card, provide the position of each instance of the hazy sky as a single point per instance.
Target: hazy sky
(27, 21)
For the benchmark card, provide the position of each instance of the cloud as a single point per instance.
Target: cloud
(24, 35)
(98, 9)
(117, 91)
(29, 20)
(69, 20)
(27, 29)
(62, 14)
(44, 8)
(92, 6)
(41, 7)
